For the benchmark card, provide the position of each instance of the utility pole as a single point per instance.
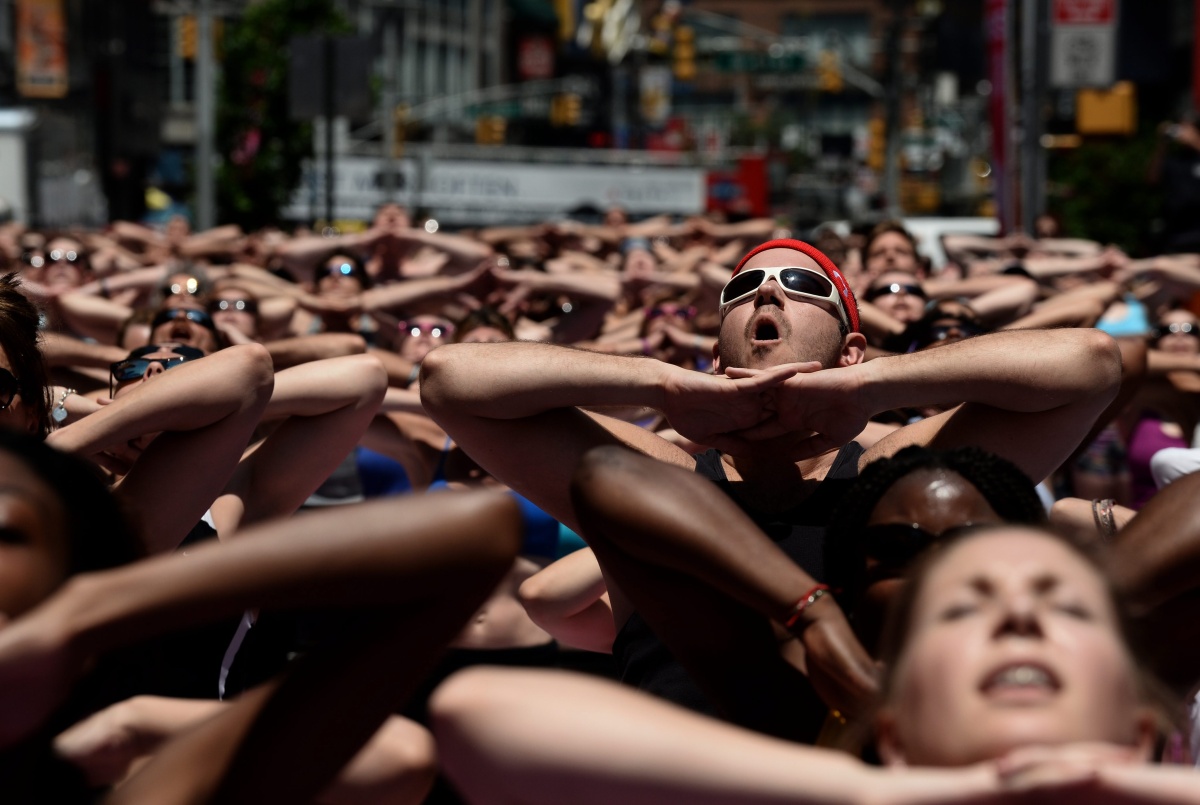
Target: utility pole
(206, 208)
(389, 101)
(1033, 156)
(895, 90)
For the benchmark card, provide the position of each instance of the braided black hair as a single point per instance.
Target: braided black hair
(1006, 488)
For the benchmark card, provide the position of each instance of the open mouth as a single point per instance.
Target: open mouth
(765, 330)
(1020, 681)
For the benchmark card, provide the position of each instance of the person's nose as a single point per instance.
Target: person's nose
(769, 293)
(1019, 617)
(152, 369)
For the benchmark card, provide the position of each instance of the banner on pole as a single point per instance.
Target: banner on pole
(41, 49)
(996, 20)
(1083, 47)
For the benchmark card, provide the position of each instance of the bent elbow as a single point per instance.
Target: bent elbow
(1104, 356)
(436, 378)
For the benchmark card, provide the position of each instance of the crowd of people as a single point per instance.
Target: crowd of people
(746, 515)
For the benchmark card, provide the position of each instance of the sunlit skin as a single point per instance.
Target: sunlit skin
(63, 273)
(1013, 642)
(485, 335)
(183, 330)
(771, 328)
(414, 348)
(34, 551)
(903, 306)
(243, 321)
(891, 251)
(1179, 343)
(334, 283)
(937, 501)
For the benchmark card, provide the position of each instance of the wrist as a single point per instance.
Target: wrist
(808, 608)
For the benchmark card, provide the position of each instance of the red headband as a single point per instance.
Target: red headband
(831, 271)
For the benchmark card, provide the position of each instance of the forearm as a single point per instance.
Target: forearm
(287, 352)
(1048, 267)
(293, 563)
(407, 292)
(459, 248)
(319, 387)
(1159, 363)
(630, 751)
(591, 285)
(406, 401)
(1156, 556)
(519, 379)
(1026, 370)
(63, 350)
(187, 398)
(1149, 783)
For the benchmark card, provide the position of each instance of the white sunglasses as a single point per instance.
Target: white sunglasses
(798, 282)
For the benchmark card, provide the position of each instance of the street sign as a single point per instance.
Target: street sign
(1083, 43)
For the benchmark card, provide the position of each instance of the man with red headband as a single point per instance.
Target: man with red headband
(782, 418)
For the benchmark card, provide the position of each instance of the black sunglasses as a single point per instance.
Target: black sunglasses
(1176, 328)
(9, 388)
(964, 329)
(245, 305)
(135, 366)
(895, 288)
(171, 314)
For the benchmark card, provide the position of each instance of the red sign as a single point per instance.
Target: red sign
(1084, 12)
(741, 192)
(535, 57)
(996, 20)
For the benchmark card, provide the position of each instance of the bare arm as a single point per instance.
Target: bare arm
(287, 352)
(204, 412)
(327, 405)
(397, 763)
(65, 350)
(568, 599)
(421, 565)
(1031, 396)
(513, 736)
(491, 397)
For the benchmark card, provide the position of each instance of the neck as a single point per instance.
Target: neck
(770, 483)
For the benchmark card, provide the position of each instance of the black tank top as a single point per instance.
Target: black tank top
(642, 659)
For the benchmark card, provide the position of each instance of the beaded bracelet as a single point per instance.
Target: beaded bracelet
(806, 601)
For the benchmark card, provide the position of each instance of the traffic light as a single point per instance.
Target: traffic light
(876, 144)
(565, 109)
(1107, 111)
(490, 129)
(683, 53)
(829, 73)
(186, 43)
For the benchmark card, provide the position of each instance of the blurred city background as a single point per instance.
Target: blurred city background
(476, 112)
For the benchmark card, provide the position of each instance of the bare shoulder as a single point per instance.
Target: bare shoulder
(921, 433)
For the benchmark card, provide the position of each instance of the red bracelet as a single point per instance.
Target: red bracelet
(807, 600)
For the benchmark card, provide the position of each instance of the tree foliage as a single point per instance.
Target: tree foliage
(1100, 191)
(261, 147)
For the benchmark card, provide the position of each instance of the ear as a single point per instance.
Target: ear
(716, 353)
(854, 349)
(887, 741)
